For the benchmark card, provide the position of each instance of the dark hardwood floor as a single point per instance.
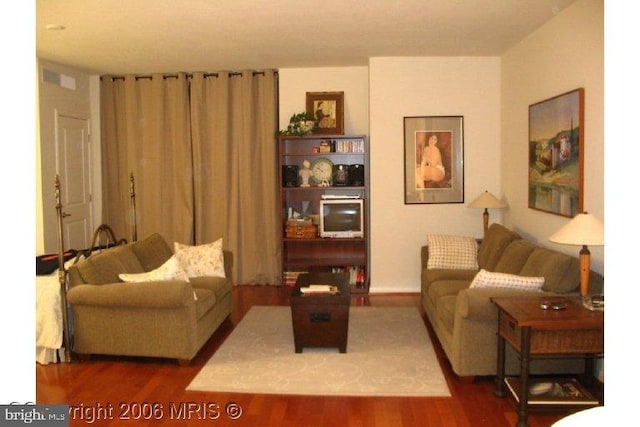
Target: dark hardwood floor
(115, 387)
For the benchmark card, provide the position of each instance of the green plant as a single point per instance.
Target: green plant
(300, 124)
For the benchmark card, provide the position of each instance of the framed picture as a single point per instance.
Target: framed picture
(327, 109)
(556, 154)
(433, 159)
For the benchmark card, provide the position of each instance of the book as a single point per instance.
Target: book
(553, 391)
(319, 289)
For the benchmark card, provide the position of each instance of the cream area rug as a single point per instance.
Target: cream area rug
(389, 353)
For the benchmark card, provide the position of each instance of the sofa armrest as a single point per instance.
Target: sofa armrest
(160, 294)
(475, 303)
(228, 264)
(424, 257)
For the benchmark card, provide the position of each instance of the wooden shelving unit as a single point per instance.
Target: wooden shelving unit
(317, 253)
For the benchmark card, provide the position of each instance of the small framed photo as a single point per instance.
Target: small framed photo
(556, 154)
(433, 159)
(327, 109)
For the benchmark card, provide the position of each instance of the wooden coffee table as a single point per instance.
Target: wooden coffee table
(321, 320)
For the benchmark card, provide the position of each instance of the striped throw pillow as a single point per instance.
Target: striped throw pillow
(452, 252)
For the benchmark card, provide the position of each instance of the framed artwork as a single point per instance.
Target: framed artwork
(556, 154)
(433, 159)
(327, 109)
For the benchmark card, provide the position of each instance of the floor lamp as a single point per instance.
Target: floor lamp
(485, 201)
(584, 229)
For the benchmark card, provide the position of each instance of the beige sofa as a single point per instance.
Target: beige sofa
(167, 318)
(465, 320)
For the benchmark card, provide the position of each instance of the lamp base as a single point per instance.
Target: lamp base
(593, 303)
(585, 270)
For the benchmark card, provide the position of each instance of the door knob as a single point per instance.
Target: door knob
(64, 214)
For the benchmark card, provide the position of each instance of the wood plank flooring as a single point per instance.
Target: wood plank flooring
(121, 391)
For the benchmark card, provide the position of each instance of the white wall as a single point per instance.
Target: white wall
(565, 54)
(377, 98)
(435, 86)
(353, 81)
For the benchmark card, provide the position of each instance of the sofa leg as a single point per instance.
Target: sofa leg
(184, 362)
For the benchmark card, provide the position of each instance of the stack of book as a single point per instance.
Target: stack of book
(290, 277)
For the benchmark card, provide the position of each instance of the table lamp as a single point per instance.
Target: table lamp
(584, 229)
(486, 200)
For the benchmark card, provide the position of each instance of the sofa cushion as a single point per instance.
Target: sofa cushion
(514, 257)
(493, 245)
(447, 312)
(452, 252)
(104, 267)
(218, 285)
(170, 270)
(552, 265)
(488, 279)
(201, 260)
(205, 300)
(152, 251)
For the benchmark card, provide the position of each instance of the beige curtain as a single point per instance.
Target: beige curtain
(146, 132)
(234, 119)
(203, 153)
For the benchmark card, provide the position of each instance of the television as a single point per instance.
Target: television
(341, 218)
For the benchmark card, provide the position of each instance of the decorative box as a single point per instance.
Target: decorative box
(325, 147)
(300, 230)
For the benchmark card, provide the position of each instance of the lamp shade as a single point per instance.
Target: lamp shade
(486, 200)
(583, 229)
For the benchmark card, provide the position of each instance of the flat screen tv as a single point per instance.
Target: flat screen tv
(341, 218)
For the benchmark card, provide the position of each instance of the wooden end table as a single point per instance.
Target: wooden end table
(536, 332)
(321, 320)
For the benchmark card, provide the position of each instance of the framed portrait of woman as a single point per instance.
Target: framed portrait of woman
(433, 159)
(327, 109)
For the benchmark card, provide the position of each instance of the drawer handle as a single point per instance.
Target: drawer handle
(320, 317)
(512, 325)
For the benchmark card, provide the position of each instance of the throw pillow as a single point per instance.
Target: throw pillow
(201, 260)
(452, 252)
(487, 279)
(170, 270)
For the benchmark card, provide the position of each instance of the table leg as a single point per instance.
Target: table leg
(525, 350)
(500, 389)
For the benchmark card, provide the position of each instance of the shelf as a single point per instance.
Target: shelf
(309, 254)
(325, 239)
(318, 188)
(553, 392)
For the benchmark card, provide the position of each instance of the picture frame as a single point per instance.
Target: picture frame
(327, 109)
(556, 154)
(433, 159)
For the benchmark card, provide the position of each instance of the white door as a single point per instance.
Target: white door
(73, 166)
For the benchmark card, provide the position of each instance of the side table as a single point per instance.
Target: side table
(536, 332)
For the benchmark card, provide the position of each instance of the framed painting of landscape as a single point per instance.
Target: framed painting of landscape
(556, 154)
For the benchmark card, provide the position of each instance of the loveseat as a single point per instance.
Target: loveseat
(156, 313)
(463, 316)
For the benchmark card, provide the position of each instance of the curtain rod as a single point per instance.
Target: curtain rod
(189, 75)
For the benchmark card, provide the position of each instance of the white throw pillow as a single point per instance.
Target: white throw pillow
(488, 279)
(201, 260)
(170, 270)
(452, 252)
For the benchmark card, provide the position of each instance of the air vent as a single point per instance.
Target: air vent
(62, 80)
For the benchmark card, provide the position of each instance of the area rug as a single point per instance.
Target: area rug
(389, 353)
